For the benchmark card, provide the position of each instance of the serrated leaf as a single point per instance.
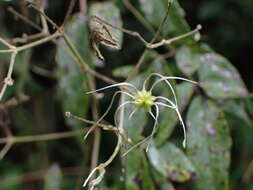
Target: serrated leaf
(171, 162)
(219, 78)
(208, 144)
(73, 81)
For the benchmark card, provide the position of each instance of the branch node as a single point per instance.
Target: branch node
(8, 81)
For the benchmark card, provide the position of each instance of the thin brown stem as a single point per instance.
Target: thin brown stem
(27, 38)
(23, 18)
(8, 80)
(104, 127)
(138, 15)
(140, 62)
(38, 175)
(83, 6)
(69, 11)
(37, 138)
(42, 4)
(4, 151)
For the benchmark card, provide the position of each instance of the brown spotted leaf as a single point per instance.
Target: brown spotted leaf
(171, 162)
(208, 145)
(219, 78)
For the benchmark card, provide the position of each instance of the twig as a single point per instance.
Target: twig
(42, 4)
(83, 6)
(139, 63)
(32, 5)
(26, 38)
(104, 127)
(77, 57)
(14, 50)
(69, 11)
(32, 44)
(38, 175)
(6, 148)
(8, 134)
(8, 80)
(43, 31)
(91, 85)
(37, 138)
(20, 98)
(23, 18)
(248, 173)
(138, 15)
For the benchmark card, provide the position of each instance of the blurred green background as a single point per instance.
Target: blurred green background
(48, 82)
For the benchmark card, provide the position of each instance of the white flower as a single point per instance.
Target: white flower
(146, 100)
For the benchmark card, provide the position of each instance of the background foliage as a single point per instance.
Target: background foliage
(218, 113)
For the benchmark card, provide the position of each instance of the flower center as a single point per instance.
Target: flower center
(144, 99)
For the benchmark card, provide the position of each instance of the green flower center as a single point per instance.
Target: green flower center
(144, 99)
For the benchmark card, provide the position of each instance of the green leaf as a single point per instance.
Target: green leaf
(138, 172)
(171, 162)
(155, 11)
(10, 175)
(208, 144)
(188, 59)
(109, 12)
(147, 182)
(164, 183)
(177, 15)
(134, 126)
(235, 111)
(53, 178)
(132, 169)
(168, 117)
(219, 78)
(123, 71)
(73, 81)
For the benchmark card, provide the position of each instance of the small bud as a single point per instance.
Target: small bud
(8, 81)
(197, 36)
(184, 143)
(199, 27)
(67, 114)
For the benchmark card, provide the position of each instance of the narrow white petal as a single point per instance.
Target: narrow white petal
(99, 178)
(113, 85)
(180, 78)
(155, 124)
(167, 100)
(133, 112)
(184, 128)
(117, 110)
(90, 175)
(167, 82)
(106, 112)
(165, 105)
